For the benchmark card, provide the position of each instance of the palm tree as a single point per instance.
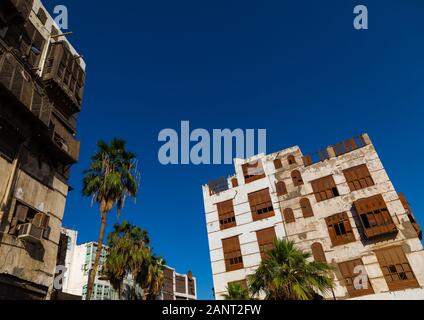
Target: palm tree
(115, 269)
(151, 277)
(236, 292)
(110, 179)
(286, 274)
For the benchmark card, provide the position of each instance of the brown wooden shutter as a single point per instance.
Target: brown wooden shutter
(288, 215)
(226, 214)
(278, 164)
(180, 284)
(347, 270)
(307, 211)
(340, 229)
(318, 252)
(396, 268)
(324, 188)
(261, 204)
(232, 254)
(234, 182)
(281, 188)
(291, 159)
(358, 177)
(266, 240)
(297, 178)
(253, 171)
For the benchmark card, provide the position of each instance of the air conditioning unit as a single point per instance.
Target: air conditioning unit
(29, 232)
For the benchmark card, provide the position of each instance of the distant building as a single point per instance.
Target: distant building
(79, 261)
(178, 286)
(41, 88)
(338, 204)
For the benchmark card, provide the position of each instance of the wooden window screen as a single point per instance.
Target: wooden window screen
(396, 268)
(410, 214)
(266, 240)
(375, 217)
(358, 177)
(281, 188)
(324, 188)
(191, 287)
(168, 283)
(291, 159)
(318, 252)
(261, 205)
(234, 182)
(253, 171)
(288, 215)
(227, 218)
(232, 254)
(306, 207)
(297, 178)
(340, 229)
(278, 164)
(347, 269)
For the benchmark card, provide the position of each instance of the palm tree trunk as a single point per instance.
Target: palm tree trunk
(93, 272)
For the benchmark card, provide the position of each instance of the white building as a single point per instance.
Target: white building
(339, 204)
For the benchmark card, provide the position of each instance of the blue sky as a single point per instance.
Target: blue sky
(295, 68)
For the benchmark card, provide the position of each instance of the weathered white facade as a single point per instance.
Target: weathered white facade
(304, 215)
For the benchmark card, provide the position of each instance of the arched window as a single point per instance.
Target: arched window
(278, 164)
(288, 215)
(234, 182)
(318, 252)
(305, 204)
(291, 159)
(297, 178)
(281, 188)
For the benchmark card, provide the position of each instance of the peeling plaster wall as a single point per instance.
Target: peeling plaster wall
(306, 231)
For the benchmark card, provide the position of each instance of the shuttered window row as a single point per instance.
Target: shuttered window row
(340, 229)
(227, 218)
(232, 254)
(355, 278)
(324, 188)
(261, 204)
(358, 177)
(396, 268)
(375, 217)
(266, 239)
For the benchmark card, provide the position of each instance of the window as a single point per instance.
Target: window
(288, 215)
(42, 16)
(241, 283)
(25, 214)
(297, 178)
(281, 188)
(232, 254)
(325, 188)
(234, 182)
(411, 216)
(291, 159)
(396, 268)
(305, 204)
(278, 164)
(266, 240)
(180, 284)
(253, 171)
(374, 216)
(318, 252)
(261, 205)
(347, 269)
(358, 177)
(340, 229)
(226, 214)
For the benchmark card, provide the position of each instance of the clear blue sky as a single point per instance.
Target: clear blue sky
(296, 68)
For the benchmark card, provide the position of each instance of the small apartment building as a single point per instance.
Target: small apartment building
(41, 87)
(178, 286)
(338, 204)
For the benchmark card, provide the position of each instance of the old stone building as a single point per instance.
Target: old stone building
(41, 87)
(338, 204)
